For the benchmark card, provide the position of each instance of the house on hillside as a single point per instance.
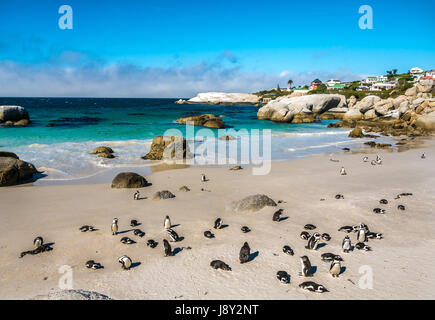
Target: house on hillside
(382, 86)
(416, 70)
(333, 82)
(316, 84)
(337, 86)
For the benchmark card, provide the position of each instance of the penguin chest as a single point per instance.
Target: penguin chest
(335, 269)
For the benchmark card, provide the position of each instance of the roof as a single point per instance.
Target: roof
(338, 86)
(317, 81)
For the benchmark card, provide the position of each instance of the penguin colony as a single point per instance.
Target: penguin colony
(361, 231)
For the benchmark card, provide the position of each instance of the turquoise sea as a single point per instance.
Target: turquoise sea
(64, 131)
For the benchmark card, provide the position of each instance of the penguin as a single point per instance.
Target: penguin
(361, 235)
(306, 267)
(277, 215)
(151, 243)
(313, 241)
(136, 195)
(343, 171)
(329, 257)
(378, 160)
(365, 159)
(309, 227)
(208, 234)
(115, 226)
(203, 178)
(379, 210)
(346, 244)
(91, 264)
(362, 246)
(335, 268)
(339, 196)
(288, 250)
(218, 264)
(167, 223)
(138, 232)
(245, 229)
(283, 277)
(245, 253)
(173, 235)
(383, 201)
(326, 237)
(312, 286)
(374, 235)
(405, 194)
(134, 223)
(401, 207)
(167, 246)
(127, 240)
(86, 228)
(125, 261)
(305, 235)
(38, 242)
(423, 156)
(347, 229)
(218, 223)
(355, 228)
(373, 162)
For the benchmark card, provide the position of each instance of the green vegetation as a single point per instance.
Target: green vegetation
(273, 94)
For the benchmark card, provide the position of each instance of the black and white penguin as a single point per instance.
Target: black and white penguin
(115, 226)
(38, 242)
(167, 223)
(347, 229)
(208, 234)
(378, 160)
(136, 195)
(125, 261)
(335, 268)
(373, 162)
(362, 246)
(245, 229)
(203, 178)
(91, 264)
(283, 277)
(134, 223)
(127, 240)
(245, 253)
(329, 257)
(313, 241)
(168, 249)
(401, 207)
(288, 250)
(277, 215)
(383, 201)
(86, 228)
(326, 237)
(423, 156)
(309, 226)
(312, 286)
(346, 244)
(151, 243)
(218, 264)
(339, 196)
(305, 235)
(306, 267)
(374, 235)
(379, 210)
(343, 171)
(173, 235)
(218, 223)
(361, 235)
(366, 159)
(138, 232)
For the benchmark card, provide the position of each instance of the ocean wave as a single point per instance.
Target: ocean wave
(310, 134)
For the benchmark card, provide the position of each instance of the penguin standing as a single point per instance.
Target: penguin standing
(306, 267)
(218, 223)
(168, 249)
(245, 253)
(378, 160)
(335, 268)
(361, 235)
(365, 159)
(38, 242)
(277, 215)
(125, 261)
(203, 178)
(136, 195)
(313, 241)
(173, 235)
(167, 223)
(343, 171)
(423, 156)
(115, 226)
(346, 244)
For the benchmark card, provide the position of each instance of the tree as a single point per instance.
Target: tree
(290, 83)
(394, 71)
(278, 88)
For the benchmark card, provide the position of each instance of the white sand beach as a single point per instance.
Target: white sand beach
(402, 262)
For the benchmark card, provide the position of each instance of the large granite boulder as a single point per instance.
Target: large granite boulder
(411, 92)
(352, 114)
(13, 113)
(8, 154)
(129, 180)
(224, 98)
(163, 195)
(251, 203)
(367, 103)
(168, 148)
(383, 107)
(14, 170)
(426, 121)
(356, 133)
(204, 120)
(300, 109)
(425, 85)
(103, 152)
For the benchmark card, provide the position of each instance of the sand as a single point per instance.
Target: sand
(402, 262)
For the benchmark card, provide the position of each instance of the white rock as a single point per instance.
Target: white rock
(353, 114)
(367, 103)
(222, 97)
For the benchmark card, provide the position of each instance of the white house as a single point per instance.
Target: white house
(430, 73)
(375, 79)
(382, 86)
(333, 82)
(415, 70)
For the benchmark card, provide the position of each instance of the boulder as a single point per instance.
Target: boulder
(382, 107)
(352, 114)
(204, 120)
(168, 147)
(224, 98)
(162, 195)
(14, 170)
(102, 149)
(367, 103)
(371, 114)
(251, 203)
(425, 85)
(356, 133)
(351, 102)
(13, 113)
(300, 109)
(184, 189)
(411, 92)
(8, 154)
(129, 180)
(426, 121)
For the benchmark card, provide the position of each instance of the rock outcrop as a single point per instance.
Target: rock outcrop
(204, 120)
(168, 147)
(426, 122)
(104, 152)
(13, 170)
(14, 116)
(129, 180)
(222, 98)
(162, 195)
(300, 109)
(251, 203)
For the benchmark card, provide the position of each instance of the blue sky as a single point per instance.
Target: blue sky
(149, 48)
